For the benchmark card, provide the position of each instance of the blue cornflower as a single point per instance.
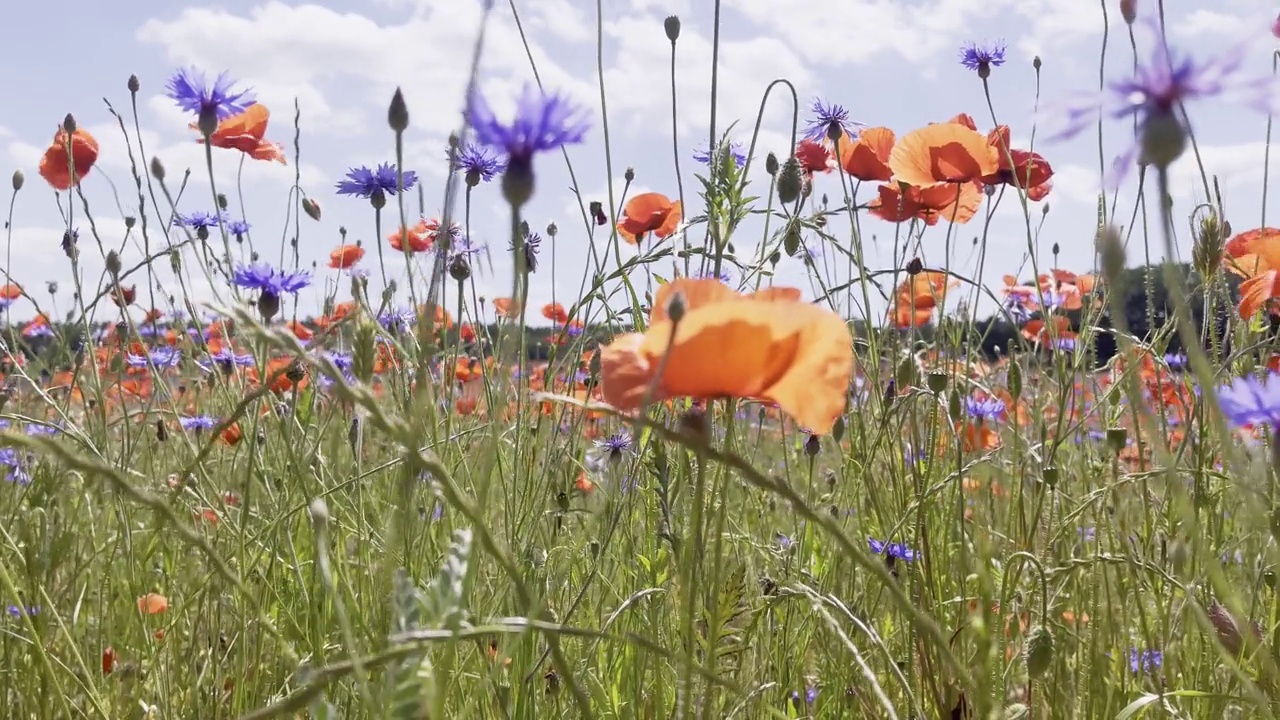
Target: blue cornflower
(784, 542)
(615, 446)
(226, 360)
(201, 222)
(1145, 660)
(42, 430)
(270, 281)
(989, 408)
(478, 163)
(1065, 344)
(365, 183)
(830, 122)
(238, 228)
(723, 276)
(21, 610)
(199, 422)
(189, 88)
(1249, 400)
(1153, 94)
(161, 357)
(398, 321)
(542, 122)
(1176, 361)
(704, 155)
(892, 550)
(981, 58)
(343, 362)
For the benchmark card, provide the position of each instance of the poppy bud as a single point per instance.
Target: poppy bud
(552, 230)
(915, 267)
(955, 409)
(672, 26)
(18, 180)
(311, 208)
(133, 84)
(69, 124)
(1129, 10)
(459, 268)
(157, 169)
(1039, 652)
(398, 112)
(789, 181)
(113, 263)
(676, 308)
(837, 431)
(268, 305)
(1056, 249)
(771, 164)
(1036, 63)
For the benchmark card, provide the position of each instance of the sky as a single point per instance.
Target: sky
(892, 63)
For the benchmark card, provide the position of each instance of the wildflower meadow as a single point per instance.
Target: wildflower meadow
(773, 448)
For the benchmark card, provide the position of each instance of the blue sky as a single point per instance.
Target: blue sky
(891, 62)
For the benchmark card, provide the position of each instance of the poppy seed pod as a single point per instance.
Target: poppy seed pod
(398, 112)
(1035, 63)
(790, 181)
(459, 268)
(672, 26)
(1116, 438)
(629, 174)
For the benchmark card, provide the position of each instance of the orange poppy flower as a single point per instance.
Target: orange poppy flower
(232, 434)
(555, 312)
(943, 153)
(506, 307)
(956, 203)
(867, 158)
(649, 213)
(791, 353)
(300, 331)
(419, 238)
(10, 291)
(56, 168)
(246, 132)
(1257, 292)
(1253, 251)
(1019, 168)
(467, 333)
(124, 296)
(153, 604)
(440, 317)
(344, 256)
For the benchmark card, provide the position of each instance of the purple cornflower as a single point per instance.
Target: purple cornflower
(784, 542)
(981, 58)
(201, 222)
(197, 423)
(383, 180)
(191, 91)
(542, 122)
(1154, 93)
(1065, 344)
(161, 357)
(616, 445)
(270, 281)
(21, 610)
(1249, 400)
(238, 229)
(891, 550)
(723, 276)
(37, 331)
(42, 430)
(1176, 361)
(225, 359)
(830, 122)
(398, 321)
(1145, 660)
(734, 149)
(532, 241)
(477, 163)
(981, 409)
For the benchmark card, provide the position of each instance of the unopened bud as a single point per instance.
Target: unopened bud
(676, 307)
(133, 84)
(629, 174)
(771, 164)
(812, 446)
(157, 169)
(672, 26)
(1036, 63)
(789, 181)
(1129, 10)
(69, 124)
(1039, 652)
(398, 112)
(311, 208)
(268, 305)
(18, 180)
(113, 263)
